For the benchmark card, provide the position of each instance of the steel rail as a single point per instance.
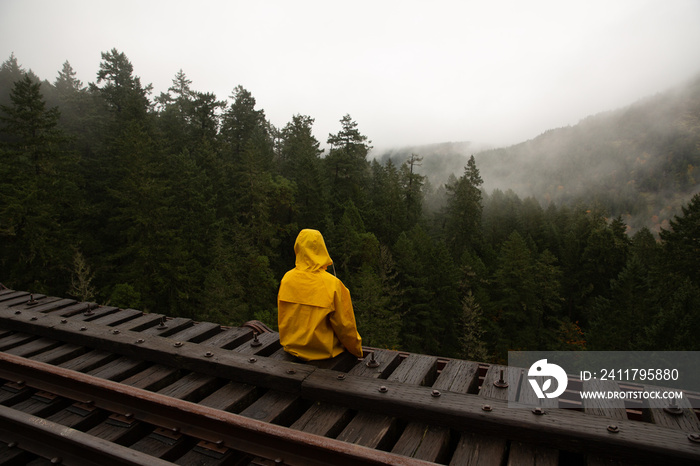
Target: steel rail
(64, 445)
(223, 428)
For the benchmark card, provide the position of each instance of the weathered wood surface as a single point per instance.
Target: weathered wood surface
(259, 380)
(474, 448)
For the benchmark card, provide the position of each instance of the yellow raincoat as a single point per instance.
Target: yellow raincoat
(315, 315)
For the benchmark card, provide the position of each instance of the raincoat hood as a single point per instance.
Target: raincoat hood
(311, 251)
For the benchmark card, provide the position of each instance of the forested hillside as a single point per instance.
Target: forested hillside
(188, 204)
(640, 162)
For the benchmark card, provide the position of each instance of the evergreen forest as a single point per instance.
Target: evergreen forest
(188, 205)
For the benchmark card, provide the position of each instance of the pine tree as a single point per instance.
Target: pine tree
(37, 190)
(347, 165)
(462, 226)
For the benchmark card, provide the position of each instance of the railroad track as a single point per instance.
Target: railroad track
(88, 384)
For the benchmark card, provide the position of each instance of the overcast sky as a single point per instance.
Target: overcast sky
(408, 72)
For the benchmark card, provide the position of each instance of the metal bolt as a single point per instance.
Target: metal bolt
(673, 408)
(291, 371)
(383, 389)
(341, 377)
(18, 312)
(177, 344)
(501, 383)
(31, 300)
(372, 362)
(487, 408)
(162, 325)
(82, 329)
(694, 437)
(12, 444)
(613, 428)
(56, 460)
(116, 331)
(175, 430)
(140, 340)
(252, 360)
(255, 341)
(64, 321)
(435, 393)
(129, 415)
(539, 411)
(34, 318)
(208, 354)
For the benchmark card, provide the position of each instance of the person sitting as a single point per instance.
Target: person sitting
(314, 309)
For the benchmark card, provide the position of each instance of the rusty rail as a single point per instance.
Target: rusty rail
(220, 427)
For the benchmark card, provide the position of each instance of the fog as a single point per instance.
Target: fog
(638, 162)
(408, 72)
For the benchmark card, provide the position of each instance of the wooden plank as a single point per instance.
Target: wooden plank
(475, 448)
(387, 361)
(48, 439)
(118, 429)
(34, 347)
(458, 376)
(45, 304)
(229, 338)
(526, 454)
(371, 430)
(85, 312)
(167, 327)
(206, 454)
(141, 323)
(89, 361)
(61, 354)
(192, 387)
(234, 365)
(54, 306)
(232, 397)
(561, 427)
(268, 344)
(686, 420)
(431, 442)
(153, 378)
(14, 340)
(15, 298)
(79, 416)
(613, 409)
(424, 441)
(164, 444)
(199, 332)
(115, 319)
(11, 392)
(416, 369)
(324, 419)
(119, 369)
(41, 404)
(276, 407)
(377, 430)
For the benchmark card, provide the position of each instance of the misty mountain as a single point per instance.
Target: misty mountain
(640, 162)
